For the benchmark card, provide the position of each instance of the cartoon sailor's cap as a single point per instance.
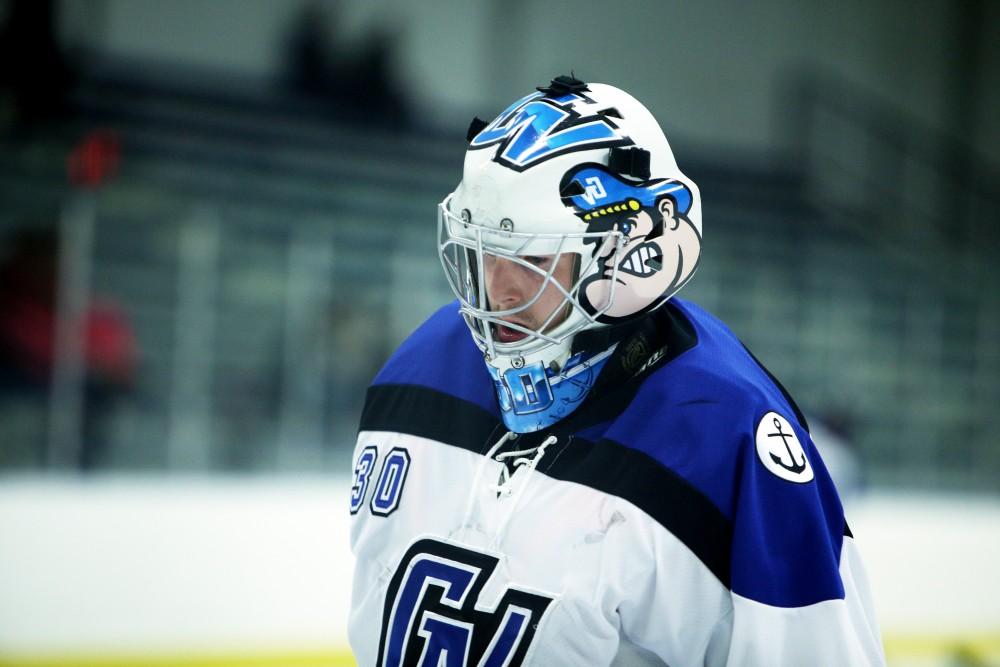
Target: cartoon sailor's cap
(596, 192)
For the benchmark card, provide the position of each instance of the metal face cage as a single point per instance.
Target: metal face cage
(466, 247)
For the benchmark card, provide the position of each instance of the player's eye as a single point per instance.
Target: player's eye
(540, 262)
(626, 227)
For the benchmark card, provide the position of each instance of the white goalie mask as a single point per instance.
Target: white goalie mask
(571, 215)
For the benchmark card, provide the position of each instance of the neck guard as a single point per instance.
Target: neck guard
(535, 397)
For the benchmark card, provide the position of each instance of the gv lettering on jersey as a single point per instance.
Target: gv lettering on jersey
(431, 617)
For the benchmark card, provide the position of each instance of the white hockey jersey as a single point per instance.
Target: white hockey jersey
(680, 516)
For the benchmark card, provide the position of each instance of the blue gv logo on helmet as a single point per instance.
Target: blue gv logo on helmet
(538, 127)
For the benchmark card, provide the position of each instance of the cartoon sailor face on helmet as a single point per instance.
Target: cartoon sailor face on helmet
(662, 245)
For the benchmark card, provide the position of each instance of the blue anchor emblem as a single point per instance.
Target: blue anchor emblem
(797, 466)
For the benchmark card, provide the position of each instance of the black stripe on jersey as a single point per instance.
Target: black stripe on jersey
(428, 413)
(674, 503)
(604, 466)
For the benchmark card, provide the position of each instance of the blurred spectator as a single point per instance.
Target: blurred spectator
(28, 313)
(310, 52)
(358, 85)
(33, 69)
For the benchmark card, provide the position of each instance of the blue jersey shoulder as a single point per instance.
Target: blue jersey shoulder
(440, 354)
(692, 414)
(698, 416)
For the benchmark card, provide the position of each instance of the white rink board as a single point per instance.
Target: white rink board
(224, 563)
(933, 561)
(166, 564)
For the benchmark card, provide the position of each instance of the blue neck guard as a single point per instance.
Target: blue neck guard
(534, 397)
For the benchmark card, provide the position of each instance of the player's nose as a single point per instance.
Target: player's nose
(505, 280)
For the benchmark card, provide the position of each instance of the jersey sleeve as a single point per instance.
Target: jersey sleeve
(792, 591)
(799, 591)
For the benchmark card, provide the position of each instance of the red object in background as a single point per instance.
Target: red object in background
(27, 332)
(95, 159)
(110, 351)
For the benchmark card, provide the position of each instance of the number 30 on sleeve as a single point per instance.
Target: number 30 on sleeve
(388, 485)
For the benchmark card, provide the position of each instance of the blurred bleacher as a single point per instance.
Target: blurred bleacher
(264, 252)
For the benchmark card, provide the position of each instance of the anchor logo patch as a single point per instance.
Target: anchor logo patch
(779, 449)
